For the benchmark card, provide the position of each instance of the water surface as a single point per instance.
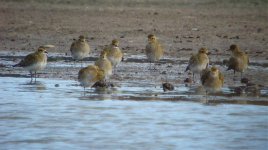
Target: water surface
(45, 116)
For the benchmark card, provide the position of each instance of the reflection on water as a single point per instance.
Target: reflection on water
(55, 114)
(32, 86)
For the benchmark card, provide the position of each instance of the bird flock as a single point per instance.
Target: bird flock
(211, 77)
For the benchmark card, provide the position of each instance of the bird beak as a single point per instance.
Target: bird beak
(208, 53)
(46, 52)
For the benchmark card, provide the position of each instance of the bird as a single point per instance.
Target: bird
(89, 75)
(80, 49)
(114, 53)
(238, 61)
(104, 64)
(35, 61)
(198, 62)
(153, 50)
(212, 79)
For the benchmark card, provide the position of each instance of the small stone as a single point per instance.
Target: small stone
(188, 80)
(167, 87)
(259, 30)
(164, 72)
(244, 80)
(57, 85)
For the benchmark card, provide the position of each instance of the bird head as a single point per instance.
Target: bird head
(115, 42)
(214, 71)
(103, 54)
(203, 50)
(41, 50)
(151, 38)
(82, 38)
(234, 48)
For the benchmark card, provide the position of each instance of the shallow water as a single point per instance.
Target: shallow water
(44, 115)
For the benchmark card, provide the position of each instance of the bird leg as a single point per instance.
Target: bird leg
(206, 102)
(234, 76)
(31, 76)
(35, 76)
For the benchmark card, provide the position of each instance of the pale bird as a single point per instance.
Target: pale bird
(114, 53)
(198, 62)
(212, 79)
(153, 49)
(239, 60)
(104, 64)
(35, 61)
(89, 75)
(80, 48)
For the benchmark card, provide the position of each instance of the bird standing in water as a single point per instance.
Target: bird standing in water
(35, 61)
(153, 49)
(212, 80)
(89, 75)
(114, 53)
(104, 64)
(198, 62)
(238, 61)
(80, 49)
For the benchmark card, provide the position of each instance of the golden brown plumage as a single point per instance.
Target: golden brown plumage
(212, 79)
(153, 49)
(114, 54)
(35, 61)
(238, 61)
(198, 62)
(89, 75)
(104, 64)
(80, 48)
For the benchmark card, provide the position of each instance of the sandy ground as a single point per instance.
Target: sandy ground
(181, 26)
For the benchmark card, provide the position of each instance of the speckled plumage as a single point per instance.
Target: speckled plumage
(35, 61)
(114, 53)
(104, 64)
(212, 79)
(198, 62)
(80, 48)
(238, 61)
(153, 50)
(89, 75)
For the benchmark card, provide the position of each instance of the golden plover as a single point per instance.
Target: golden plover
(104, 64)
(89, 75)
(198, 62)
(35, 61)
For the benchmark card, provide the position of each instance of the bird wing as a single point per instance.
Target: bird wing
(28, 60)
(72, 46)
(232, 63)
(204, 75)
(193, 60)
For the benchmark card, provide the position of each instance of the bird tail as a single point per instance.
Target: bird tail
(17, 65)
(229, 68)
(20, 64)
(187, 68)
